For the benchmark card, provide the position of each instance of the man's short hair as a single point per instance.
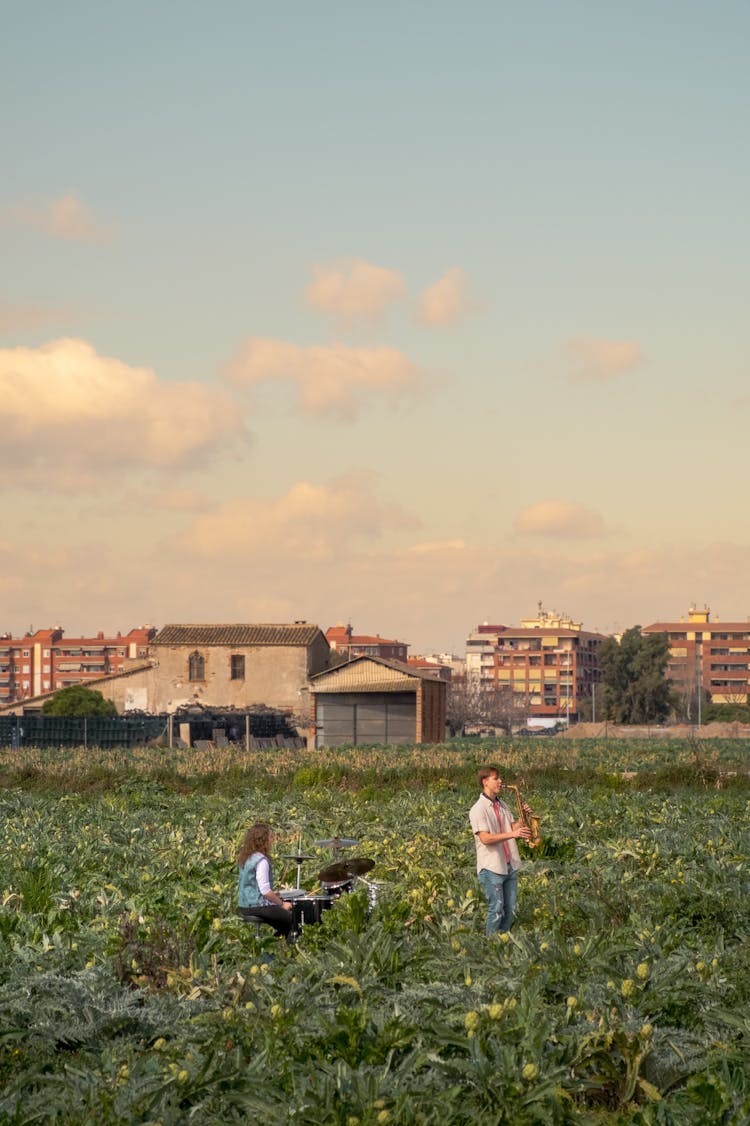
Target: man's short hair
(486, 772)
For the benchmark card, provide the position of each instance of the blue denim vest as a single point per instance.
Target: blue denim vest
(248, 892)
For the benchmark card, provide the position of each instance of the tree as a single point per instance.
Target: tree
(479, 705)
(634, 687)
(78, 700)
(727, 713)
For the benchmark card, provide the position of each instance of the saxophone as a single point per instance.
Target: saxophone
(529, 820)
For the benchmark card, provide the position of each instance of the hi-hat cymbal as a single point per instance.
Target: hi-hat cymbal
(346, 870)
(336, 842)
(298, 857)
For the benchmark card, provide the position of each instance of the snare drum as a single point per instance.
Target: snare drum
(308, 909)
(290, 894)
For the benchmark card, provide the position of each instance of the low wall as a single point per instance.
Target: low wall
(676, 731)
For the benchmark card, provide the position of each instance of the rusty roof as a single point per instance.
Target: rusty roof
(370, 674)
(295, 634)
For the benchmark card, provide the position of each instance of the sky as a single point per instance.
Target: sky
(411, 315)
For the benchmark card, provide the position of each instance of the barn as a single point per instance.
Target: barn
(375, 700)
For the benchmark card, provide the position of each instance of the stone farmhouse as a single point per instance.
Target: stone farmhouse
(236, 666)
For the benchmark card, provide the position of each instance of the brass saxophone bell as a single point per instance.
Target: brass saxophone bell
(529, 820)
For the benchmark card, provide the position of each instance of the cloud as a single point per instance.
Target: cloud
(331, 379)
(263, 568)
(16, 317)
(354, 290)
(560, 520)
(603, 359)
(68, 416)
(171, 500)
(447, 300)
(437, 547)
(65, 218)
(310, 522)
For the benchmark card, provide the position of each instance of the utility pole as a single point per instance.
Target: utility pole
(699, 674)
(567, 694)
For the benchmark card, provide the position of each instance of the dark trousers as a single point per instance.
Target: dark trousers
(277, 917)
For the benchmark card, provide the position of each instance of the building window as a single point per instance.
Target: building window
(196, 666)
(237, 666)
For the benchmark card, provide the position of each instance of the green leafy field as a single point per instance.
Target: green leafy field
(129, 991)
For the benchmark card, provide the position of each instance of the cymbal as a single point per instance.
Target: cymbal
(358, 865)
(346, 870)
(292, 893)
(298, 857)
(336, 842)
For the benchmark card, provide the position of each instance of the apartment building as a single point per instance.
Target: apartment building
(480, 652)
(342, 639)
(548, 664)
(714, 655)
(46, 660)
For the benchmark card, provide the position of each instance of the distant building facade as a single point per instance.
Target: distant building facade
(47, 661)
(343, 640)
(712, 655)
(480, 652)
(236, 666)
(548, 665)
(432, 666)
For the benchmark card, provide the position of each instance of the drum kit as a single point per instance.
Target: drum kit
(336, 879)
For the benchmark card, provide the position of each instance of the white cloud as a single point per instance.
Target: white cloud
(68, 415)
(447, 300)
(310, 522)
(559, 519)
(354, 290)
(65, 218)
(330, 379)
(603, 359)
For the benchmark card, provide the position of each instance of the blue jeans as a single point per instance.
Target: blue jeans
(501, 893)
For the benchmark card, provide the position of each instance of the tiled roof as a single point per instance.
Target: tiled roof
(367, 639)
(298, 633)
(338, 634)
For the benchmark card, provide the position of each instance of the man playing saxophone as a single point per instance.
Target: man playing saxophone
(498, 859)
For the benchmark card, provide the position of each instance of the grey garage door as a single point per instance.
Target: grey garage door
(356, 719)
